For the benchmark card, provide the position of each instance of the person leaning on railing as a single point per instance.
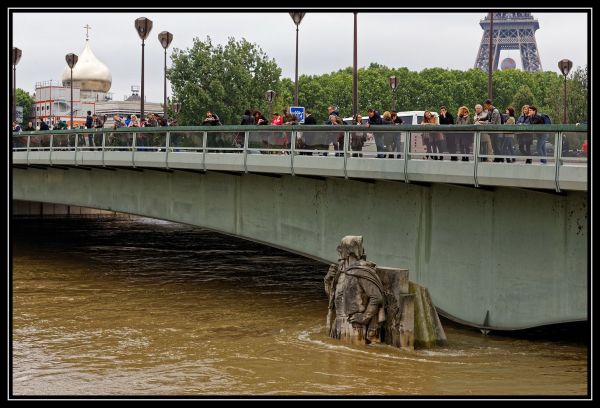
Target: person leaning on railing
(465, 140)
(428, 142)
(482, 118)
(509, 138)
(445, 118)
(357, 139)
(535, 119)
(524, 139)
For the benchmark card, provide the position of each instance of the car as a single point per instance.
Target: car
(408, 118)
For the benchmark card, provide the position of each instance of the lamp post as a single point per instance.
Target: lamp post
(165, 39)
(393, 81)
(355, 73)
(297, 17)
(269, 96)
(565, 66)
(490, 57)
(71, 61)
(176, 109)
(16, 57)
(143, 26)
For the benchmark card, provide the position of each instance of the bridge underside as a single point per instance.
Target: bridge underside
(519, 256)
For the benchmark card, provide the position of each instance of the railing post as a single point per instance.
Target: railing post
(246, 137)
(167, 145)
(407, 142)
(51, 142)
(76, 143)
(558, 137)
(27, 155)
(204, 137)
(133, 147)
(103, 147)
(345, 150)
(476, 141)
(292, 151)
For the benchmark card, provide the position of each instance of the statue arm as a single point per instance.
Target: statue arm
(328, 280)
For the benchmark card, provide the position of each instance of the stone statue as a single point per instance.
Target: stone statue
(356, 295)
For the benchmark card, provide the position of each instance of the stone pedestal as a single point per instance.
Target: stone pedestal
(428, 328)
(398, 327)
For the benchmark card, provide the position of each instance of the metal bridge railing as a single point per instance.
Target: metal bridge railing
(456, 154)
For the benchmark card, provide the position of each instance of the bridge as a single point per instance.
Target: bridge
(499, 245)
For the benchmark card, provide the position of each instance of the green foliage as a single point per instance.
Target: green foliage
(577, 96)
(26, 101)
(434, 87)
(225, 79)
(523, 96)
(232, 78)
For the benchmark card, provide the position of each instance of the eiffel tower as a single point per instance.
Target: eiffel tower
(512, 31)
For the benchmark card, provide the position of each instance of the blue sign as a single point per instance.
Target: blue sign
(298, 112)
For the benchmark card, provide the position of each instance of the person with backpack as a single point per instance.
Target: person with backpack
(535, 119)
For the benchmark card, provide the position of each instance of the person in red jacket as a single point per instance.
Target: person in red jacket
(584, 147)
(276, 119)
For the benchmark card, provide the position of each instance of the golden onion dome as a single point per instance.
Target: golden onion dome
(89, 74)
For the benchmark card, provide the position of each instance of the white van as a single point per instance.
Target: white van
(408, 118)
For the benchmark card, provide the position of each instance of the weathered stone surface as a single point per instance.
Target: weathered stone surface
(398, 326)
(356, 295)
(378, 304)
(428, 328)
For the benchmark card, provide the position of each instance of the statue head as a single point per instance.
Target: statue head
(351, 245)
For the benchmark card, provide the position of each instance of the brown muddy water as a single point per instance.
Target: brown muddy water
(134, 306)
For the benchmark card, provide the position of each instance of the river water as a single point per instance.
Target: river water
(134, 306)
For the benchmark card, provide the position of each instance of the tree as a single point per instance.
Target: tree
(26, 102)
(225, 79)
(577, 96)
(523, 96)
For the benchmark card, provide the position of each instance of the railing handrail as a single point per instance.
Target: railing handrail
(321, 128)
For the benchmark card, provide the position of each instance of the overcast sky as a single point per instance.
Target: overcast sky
(396, 39)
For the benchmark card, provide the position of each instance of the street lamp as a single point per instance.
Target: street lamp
(165, 39)
(297, 17)
(143, 26)
(71, 61)
(269, 96)
(490, 90)
(355, 73)
(16, 57)
(565, 66)
(393, 81)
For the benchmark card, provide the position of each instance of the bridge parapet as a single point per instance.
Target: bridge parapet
(445, 154)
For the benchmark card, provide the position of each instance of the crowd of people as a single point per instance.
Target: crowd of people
(498, 147)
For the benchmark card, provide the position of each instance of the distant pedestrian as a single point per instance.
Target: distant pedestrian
(465, 140)
(535, 119)
(524, 140)
(375, 119)
(309, 119)
(509, 138)
(446, 118)
(494, 118)
(247, 118)
(276, 119)
(482, 118)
